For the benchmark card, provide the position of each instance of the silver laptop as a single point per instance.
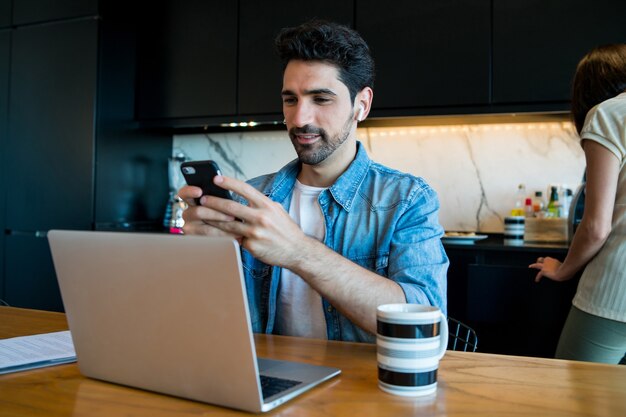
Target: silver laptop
(169, 314)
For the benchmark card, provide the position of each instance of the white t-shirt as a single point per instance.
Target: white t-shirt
(300, 311)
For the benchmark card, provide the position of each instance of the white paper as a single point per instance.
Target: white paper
(36, 351)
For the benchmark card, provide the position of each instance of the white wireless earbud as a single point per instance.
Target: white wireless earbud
(360, 117)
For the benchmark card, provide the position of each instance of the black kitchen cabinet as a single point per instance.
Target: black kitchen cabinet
(187, 59)
(49, 152)
(492, 290)
(260, 70)
(457, 282)
(192, 66)
(131, 181)
(36, 11)
(537, 44)
(5, 43)
(207, 63)
(512, 313)
(73, 155)
(50, 149)
(32, 282)
(5, 13)
(428, 53)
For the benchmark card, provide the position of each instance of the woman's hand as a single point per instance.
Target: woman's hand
(549, 268)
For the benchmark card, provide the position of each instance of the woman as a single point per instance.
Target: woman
(595, 329)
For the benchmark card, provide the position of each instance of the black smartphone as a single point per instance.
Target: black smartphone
(200, 174)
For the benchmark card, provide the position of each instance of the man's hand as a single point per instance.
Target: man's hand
(197, 217)
(265, 229)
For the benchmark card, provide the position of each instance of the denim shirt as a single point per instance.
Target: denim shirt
(381, 219)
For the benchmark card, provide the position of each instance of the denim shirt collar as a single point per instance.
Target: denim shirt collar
(344, 190)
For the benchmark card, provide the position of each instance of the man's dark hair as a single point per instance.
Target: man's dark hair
(332, 43)
(600, 75)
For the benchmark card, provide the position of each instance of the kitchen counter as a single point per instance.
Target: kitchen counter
(495, 242)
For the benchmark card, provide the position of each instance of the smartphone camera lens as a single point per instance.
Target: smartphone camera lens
(189, 170)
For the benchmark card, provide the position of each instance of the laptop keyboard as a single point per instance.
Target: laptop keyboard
(271, 385)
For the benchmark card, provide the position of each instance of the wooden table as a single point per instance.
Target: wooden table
(470, 384)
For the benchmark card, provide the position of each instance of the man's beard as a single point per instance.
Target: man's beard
(317, 152)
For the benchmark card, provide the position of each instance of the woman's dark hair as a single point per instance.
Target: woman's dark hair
(600, 75)
(332, 43)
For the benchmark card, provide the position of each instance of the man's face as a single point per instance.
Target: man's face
(317, 109)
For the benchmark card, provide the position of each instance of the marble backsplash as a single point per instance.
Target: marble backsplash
(475, 168)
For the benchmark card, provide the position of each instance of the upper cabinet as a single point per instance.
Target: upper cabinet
(35, 11)
(5, 13)
(187, 59)
(428, 53)
(537, 44)
(210, 62)
(260, 70)
(207, 59)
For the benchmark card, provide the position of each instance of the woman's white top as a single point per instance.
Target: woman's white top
(602, 287)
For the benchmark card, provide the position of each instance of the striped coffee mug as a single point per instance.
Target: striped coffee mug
(514, 230)
(410, 341)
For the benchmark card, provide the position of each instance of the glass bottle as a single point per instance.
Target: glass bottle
(520, 197)
(554, 206)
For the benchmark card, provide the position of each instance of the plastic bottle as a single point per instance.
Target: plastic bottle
(520, 197)
(528, 208)
(539, 204)
(567, 201)
(554, 206)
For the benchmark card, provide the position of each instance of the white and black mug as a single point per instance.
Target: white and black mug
(514, 230)
(410, 341)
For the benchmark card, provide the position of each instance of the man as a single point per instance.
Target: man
(332, 235)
